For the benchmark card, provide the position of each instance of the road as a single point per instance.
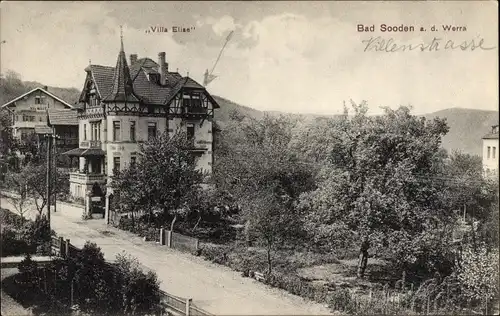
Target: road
(215, 288)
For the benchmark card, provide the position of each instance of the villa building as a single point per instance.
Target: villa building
(490, 152)
(39, 112)
(121, 107)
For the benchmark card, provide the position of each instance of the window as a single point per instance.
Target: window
(40, 119)
(190, 133)
(191, 100)
(95, 131)
(116, 164)
(151, 130)
(489, 153)
(116, 130)
(84, 131)
(494, 152)
(132, 131)
(133, 160)
(38, 100)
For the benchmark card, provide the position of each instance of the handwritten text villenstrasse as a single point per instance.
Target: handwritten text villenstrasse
(390, 45)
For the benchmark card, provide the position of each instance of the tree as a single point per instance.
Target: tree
(36, 181)
(257, 168)
(7, 141)
(378, 181)
(18, 185)
(466, 188)
(165, 177)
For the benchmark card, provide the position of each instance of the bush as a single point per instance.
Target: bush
(342, 300)
(10, 245)
(216, 254)
(293, 284)
(37, 235)
(476, 273)
(140, 291)
(7, 218)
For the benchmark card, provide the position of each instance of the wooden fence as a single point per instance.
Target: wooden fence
(183, 243)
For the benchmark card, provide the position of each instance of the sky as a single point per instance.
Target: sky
(298, 57)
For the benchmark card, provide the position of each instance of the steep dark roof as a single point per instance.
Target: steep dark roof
(146, 62)
(103, 78)
(109, 84)
(62, 117)
(122, 89)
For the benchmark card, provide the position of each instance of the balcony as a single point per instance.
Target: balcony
(195, 110)
(90, 144)
(86, 178)
(67, 142)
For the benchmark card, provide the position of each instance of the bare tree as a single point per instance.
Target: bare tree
(18, 198)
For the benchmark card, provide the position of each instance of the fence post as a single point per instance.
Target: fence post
(188, 304)
(66, 253)
(162, 236)
(197, 244)
(61, 246)
(169, 238)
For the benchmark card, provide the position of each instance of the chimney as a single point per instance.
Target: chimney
(45, 88)
(133, 59)
(163, 68)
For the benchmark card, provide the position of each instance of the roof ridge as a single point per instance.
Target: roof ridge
(44, 91)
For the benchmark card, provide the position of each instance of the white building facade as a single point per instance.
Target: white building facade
(490, 152)
(122, 107)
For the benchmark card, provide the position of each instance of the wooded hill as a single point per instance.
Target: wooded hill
(467, 126)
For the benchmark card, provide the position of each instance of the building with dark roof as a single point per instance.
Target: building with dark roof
(490, 152)
(29, 111)
(123, 106)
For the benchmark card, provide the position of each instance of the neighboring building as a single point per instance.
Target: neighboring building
(490, 152)
(121, 107)
(29, 111)
(64, 123)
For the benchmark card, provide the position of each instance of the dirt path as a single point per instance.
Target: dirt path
(217, 289)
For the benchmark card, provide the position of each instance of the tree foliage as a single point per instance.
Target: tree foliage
(478, 273)
(256, 168)
(164, 178)
(107, 289)
(378, 181)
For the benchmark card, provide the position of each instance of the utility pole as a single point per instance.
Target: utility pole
(49, 139)
(54, 157)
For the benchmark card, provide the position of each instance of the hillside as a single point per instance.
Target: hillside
(11, 87)
(467, 126)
